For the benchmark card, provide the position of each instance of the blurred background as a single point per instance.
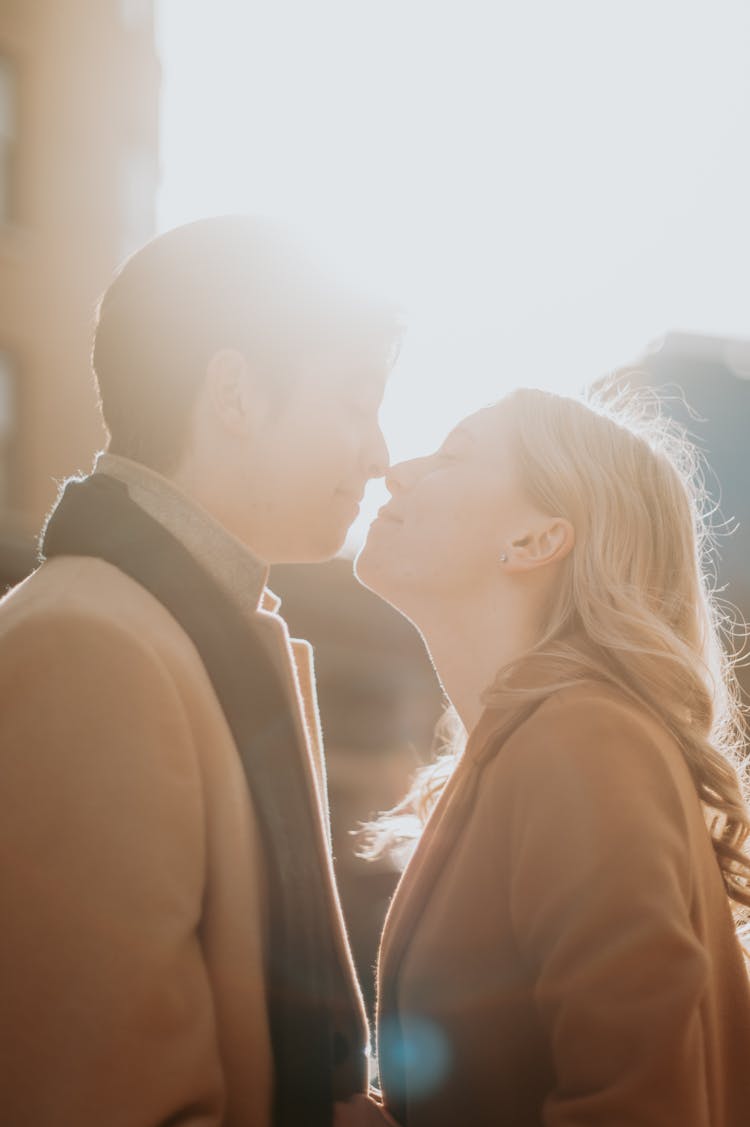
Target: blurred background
(551, 190)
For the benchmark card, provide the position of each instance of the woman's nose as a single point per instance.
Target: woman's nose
(402, 475)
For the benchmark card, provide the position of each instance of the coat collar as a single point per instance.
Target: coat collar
(234, 567)
(240, 573)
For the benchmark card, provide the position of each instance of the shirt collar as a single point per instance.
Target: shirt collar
(233, 566)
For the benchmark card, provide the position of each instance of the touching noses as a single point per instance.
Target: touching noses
(402, 476)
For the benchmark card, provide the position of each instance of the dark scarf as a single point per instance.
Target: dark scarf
(308, 991)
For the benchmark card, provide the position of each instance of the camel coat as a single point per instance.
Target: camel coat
(560, 950)
(132, 949)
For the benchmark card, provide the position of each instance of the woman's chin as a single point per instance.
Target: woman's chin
(365, 567)
(372, 570)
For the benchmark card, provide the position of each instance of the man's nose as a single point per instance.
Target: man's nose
(378, 458)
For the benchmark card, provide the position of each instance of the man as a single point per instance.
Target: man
(172, 945)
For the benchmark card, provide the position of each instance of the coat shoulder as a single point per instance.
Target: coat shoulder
(80, 588)
(72, 596)
(597, 735)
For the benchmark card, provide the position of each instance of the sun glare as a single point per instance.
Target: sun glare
(547, 187)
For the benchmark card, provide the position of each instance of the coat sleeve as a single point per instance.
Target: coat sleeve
(600, 897)
(106, 1012)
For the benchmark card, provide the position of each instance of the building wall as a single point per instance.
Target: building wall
(83, 176)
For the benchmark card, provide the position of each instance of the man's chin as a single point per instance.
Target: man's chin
(325, 546)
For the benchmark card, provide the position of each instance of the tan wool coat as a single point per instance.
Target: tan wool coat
(133, 940)
(560, 951)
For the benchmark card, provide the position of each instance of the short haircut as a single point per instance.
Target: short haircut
(224, 282)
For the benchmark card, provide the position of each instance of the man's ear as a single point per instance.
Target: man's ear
(232, 393)
(549, 541)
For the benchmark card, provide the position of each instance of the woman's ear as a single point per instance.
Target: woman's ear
(232, 394)
(548, 541)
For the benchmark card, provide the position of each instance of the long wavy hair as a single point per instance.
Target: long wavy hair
(635, 606)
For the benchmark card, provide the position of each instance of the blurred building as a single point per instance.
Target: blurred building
(79, 86)
(706, 384)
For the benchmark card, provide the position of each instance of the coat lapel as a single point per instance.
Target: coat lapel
(444, 825)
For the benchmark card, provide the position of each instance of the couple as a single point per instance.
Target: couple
(561, 949)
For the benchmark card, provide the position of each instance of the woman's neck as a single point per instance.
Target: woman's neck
(470, 641)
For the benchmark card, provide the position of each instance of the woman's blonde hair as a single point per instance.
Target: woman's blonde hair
(635, 606)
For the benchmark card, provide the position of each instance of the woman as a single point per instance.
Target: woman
(561, 949)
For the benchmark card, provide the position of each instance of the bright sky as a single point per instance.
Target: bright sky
(547, 186)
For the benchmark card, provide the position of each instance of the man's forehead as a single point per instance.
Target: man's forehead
(352, 378)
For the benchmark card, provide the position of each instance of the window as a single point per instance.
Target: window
(7, 136)
(7, 424)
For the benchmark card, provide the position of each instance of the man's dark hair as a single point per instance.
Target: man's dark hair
(224, 282)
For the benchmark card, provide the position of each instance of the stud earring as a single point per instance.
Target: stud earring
(504, 558)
